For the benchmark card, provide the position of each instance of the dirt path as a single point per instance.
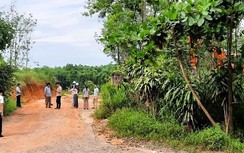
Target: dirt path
(37, 129)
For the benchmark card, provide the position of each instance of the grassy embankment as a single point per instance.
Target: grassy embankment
(129, 121)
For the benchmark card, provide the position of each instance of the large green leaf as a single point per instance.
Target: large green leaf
(191, 21)
(200, 21)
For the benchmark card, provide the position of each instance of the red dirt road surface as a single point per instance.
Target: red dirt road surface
(36, 129)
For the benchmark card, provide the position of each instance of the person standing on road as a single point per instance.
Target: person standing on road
(73, 85)
(1, 111)
(86, 92)
(18, 95)
(48, 95)
(95, 97)
(58, 95)
(74, 91)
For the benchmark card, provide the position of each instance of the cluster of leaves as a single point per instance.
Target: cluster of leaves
(6, 35)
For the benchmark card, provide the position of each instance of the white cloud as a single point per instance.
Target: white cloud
(61, 28)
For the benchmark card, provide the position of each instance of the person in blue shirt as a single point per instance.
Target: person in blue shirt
(48, 95)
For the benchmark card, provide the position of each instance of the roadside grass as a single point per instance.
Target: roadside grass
(136, 124)
(9, 106)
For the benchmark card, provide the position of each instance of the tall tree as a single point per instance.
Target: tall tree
(167, 28)
(6, 35)
(6, 79)
(23, 25)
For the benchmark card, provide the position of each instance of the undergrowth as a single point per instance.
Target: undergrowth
(9, 106)
(129, 122)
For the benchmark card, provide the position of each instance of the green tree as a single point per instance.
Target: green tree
(164, 29)
(6, 35)
(23, 25)
(7, 76)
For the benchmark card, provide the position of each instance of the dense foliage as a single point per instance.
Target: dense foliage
(81, 74)
(6, 33)
(181, 58)
(6, 85)
(6, 70)
(148, 42)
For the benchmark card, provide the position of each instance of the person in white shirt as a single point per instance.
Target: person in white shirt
(95, 97)
(18, 95)
(58, 95)
(86, 92)
(1, 112)
(74, 91)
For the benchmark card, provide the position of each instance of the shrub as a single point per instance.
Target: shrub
(102, 113)
(172, 130)
(129, 122)
(6, 79)
(236, 146)
(9, 107)
(113, 97)
(213, 138)
(7, 82)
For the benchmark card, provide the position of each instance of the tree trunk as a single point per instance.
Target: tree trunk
(230, 80)
(191, 89)
(143, 10)
(118, 56)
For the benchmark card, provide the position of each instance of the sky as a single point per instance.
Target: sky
(62, 35)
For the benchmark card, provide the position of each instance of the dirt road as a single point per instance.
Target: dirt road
(36, 129)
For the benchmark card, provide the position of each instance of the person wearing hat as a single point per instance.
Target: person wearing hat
(18, 95)
(1, 111)
(72, 87)
(75, 97)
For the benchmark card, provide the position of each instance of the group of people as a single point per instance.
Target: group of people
(18, 104)
(74, 90)
(86, 95)
(48, 95)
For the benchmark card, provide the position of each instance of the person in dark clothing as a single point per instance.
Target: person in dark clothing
(18, 95)
(1, 111)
